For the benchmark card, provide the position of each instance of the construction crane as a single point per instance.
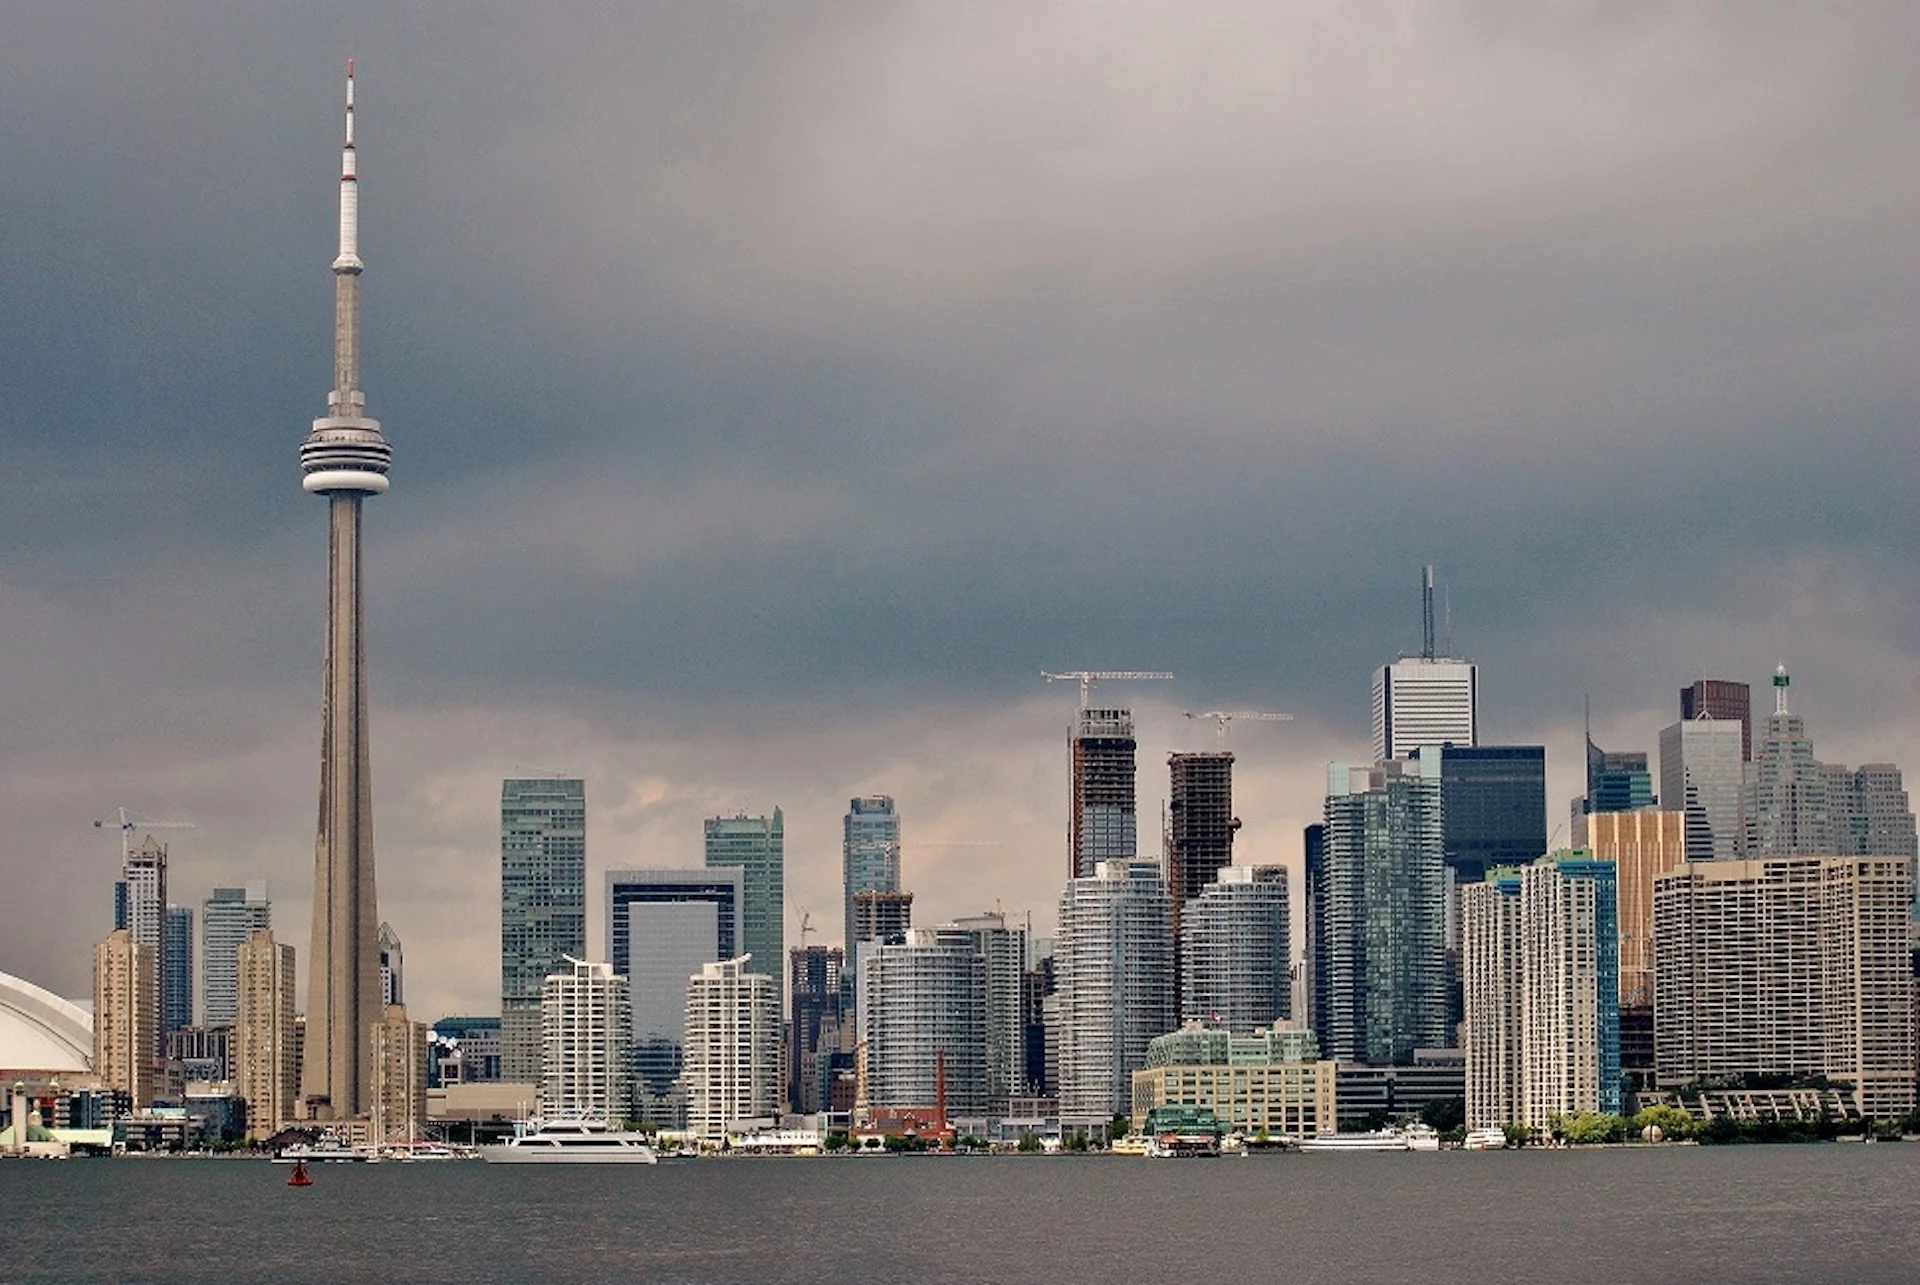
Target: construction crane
(126, 825)
(1088, 677)
(1221, 717)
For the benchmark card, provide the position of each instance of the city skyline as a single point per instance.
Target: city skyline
(917, 536)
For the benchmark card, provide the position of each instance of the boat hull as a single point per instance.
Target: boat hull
(509, 1155)
(1355, 1142)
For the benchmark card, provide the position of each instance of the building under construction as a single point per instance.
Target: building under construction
(878, 916)
(1103, 820)
(1198, 837)
(1200, 821)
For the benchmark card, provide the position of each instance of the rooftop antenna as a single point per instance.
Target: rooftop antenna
(1447, 595)
(1426, 613)
(1780, 684)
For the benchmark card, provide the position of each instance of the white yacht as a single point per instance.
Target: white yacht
(581, 1141)
(1379, 1140)
(1485, 1140)
(1422, 1137)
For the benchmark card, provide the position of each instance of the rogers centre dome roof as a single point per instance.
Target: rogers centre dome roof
(39, 1031)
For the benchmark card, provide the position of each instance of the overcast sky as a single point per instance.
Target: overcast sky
(775, 391)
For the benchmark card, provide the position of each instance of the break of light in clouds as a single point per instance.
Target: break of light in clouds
(774, 392)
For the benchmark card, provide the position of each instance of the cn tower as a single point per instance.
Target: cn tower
(345, 460)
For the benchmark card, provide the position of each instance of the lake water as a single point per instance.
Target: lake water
(1833, 1213)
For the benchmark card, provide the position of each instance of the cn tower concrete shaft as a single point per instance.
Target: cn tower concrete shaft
(345, 459)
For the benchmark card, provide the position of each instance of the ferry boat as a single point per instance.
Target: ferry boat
(1183, 1146)
(582, 1141)
(1422, 1137)
(1379, 1140)
(778, 1142)
(419, 1152)
(1485, 1140)
(1133, 1144)
(328, 1148)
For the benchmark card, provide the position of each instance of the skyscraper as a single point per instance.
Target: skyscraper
(1543, 1017)
(880, 915)
(757, 845)
(1617, 781)
(1200, 824)
(1493, 801)
(733, 1048)
(543, 907)
(1002, 948)
(724, 889)
(263, 1049)
(923, 1002)
(227, 919)
(393, 968)
(586, 1024)
(813, 1032)
(1427, 699)
(1786, 788)
(1724, 699)
(1235, 955)
(1384, 915)
(1314, 958)
(1570, 1040)
(1418, 701)
(1870, 815)
(1642, 846)
(176, 1009)
(1798, 806)
(345, 459)
(125, 1016)
(1870, 811)
(1102, 822)
(1114, 985)
(1701, 775)
(869, 853)
(399, 1104)
(662, 925)
(1794, 967)
(142, 911)
(1493, 969)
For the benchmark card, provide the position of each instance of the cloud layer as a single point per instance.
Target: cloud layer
(775, 392)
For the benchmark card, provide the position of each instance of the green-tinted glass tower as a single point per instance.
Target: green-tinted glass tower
(1384, 914)
(543, 907)
(757, 845)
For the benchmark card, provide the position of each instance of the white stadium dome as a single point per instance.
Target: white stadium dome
(39, 1031)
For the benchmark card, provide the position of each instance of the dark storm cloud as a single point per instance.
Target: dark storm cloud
(760, 376)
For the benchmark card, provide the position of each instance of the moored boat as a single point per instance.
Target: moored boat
(1485, 1140)
(328, 1148)
(1199, 1145)
(1422, 1137)
(1379, 1140)
(575, 1141)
